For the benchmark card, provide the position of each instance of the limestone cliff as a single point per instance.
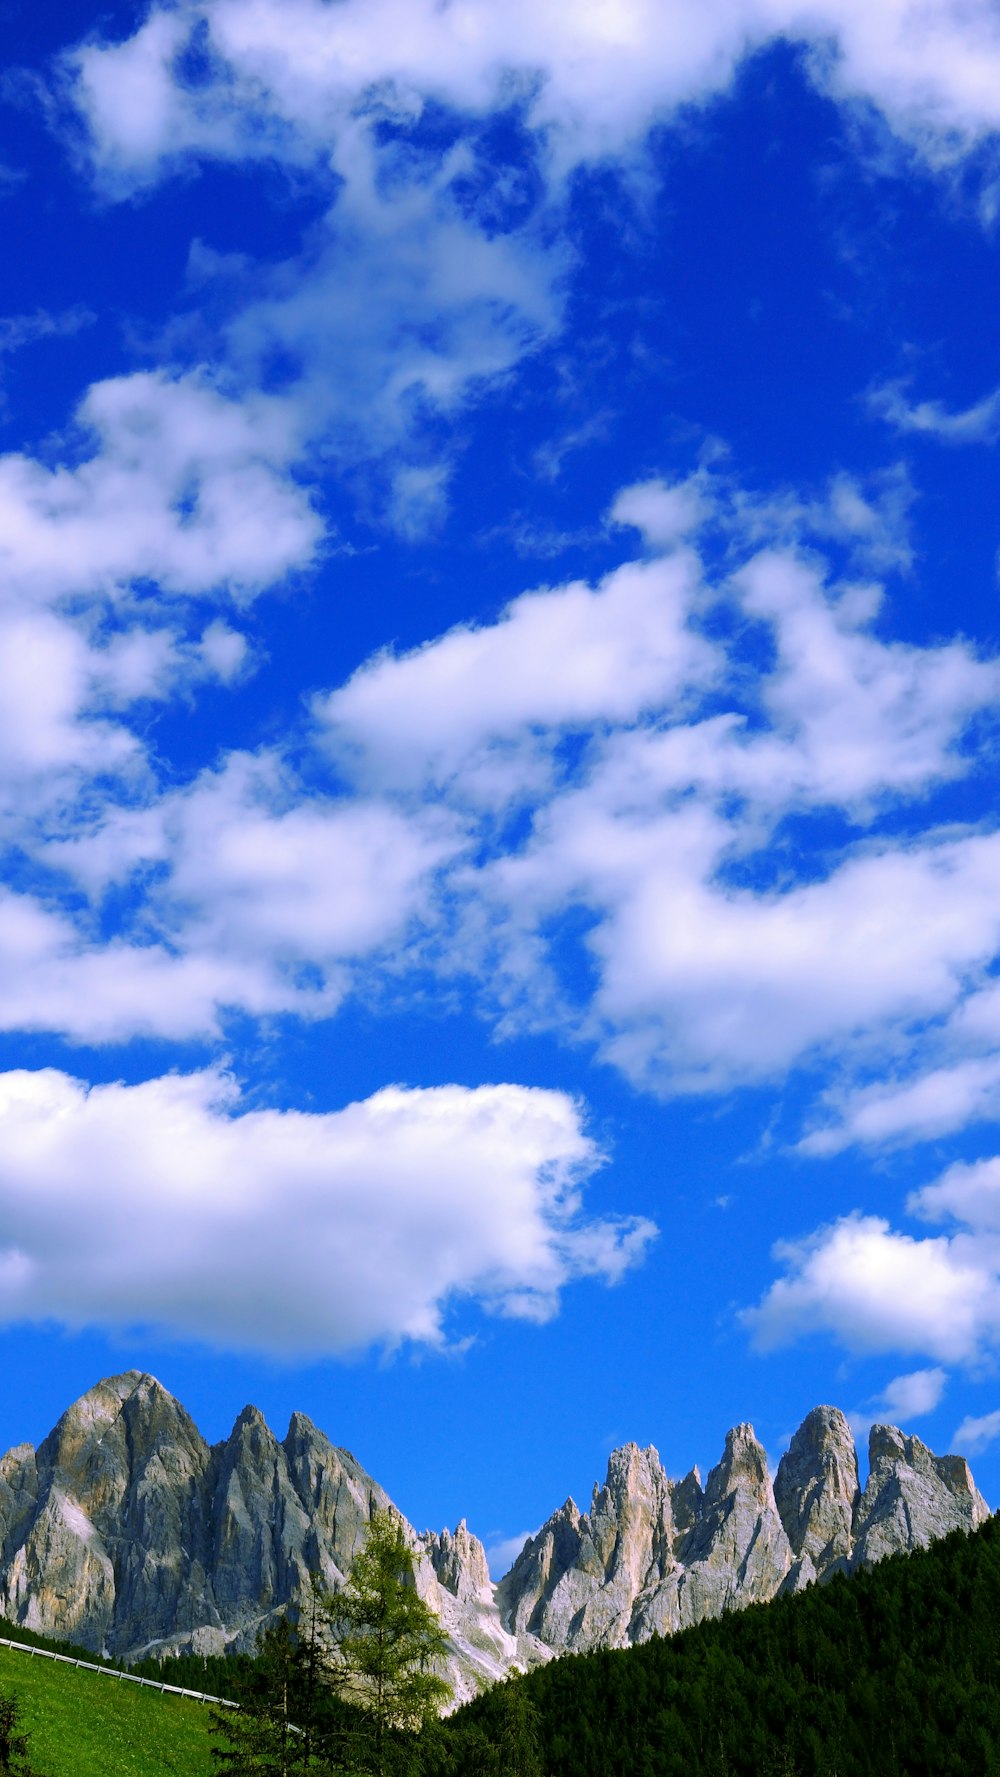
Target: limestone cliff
(127, 1533)
(654, 1555)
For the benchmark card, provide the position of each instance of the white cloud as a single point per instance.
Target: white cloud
(667, 512)
(255, 872)
(167, 1205)
(909, 1397)
(933, 1103)
(285, 75)
(48, 676)
(165, 491)
(178, 485)
(964, 1193)
(875, 1289)
(436, 269)
(502, 1551)
(566, 657)
(400, 307)
(651, 777)
(978, 424)
(976, 1434)
(903, 1399)
(253, 893)
(58, 976)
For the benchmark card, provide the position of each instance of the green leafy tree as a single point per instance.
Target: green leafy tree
(387, 1644)
(517, 1732)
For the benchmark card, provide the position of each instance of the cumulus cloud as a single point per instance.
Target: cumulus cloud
(59, 975)
(167, 1205)
(253, 892)
(276, 79)
(176, 484)
(623, 648)
(875, 1289)
(165, 491)
(662, 830)
(602, 752)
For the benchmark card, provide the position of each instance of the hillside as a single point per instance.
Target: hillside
(84, 1725)
(893, 1671)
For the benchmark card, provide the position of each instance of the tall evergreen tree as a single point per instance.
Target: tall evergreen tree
(270, 1734)
(387, 1643)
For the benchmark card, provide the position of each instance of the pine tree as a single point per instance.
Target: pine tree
(263, 1737)
(387, 1642)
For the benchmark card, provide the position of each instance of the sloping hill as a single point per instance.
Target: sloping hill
(85, 1725)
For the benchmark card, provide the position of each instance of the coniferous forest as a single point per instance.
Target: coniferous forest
(894, 1671)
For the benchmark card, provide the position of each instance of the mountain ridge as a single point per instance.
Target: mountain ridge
(127, 1533)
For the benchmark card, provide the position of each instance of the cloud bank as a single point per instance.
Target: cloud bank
(168, 1206)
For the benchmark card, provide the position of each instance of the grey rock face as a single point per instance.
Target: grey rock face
(128, 1534)
(654, 1555)
(577, 1583)
(816, 1491)
(737, 1552)
(912, 1497)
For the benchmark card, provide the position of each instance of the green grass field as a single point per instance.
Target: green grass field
(84, 1725)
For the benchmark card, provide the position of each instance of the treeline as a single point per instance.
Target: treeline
(894, 1671)
(74, 1651)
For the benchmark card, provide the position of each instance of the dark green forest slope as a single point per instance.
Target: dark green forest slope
(894, 1671)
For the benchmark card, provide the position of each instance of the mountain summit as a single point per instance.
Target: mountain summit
(130, 1535)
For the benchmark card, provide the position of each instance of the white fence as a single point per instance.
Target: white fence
(176, 1690)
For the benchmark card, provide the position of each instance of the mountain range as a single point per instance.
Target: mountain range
(128, 1534)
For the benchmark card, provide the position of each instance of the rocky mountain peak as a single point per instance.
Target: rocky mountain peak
(816, 1489)
(459, 1562)
(127, 1533)
(743, 1466)
(912, 1497)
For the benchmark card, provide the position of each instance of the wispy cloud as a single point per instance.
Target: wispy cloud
(977, 1433)
(905, 1398)
(978, 424)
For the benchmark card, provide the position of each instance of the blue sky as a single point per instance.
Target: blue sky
(498, 714)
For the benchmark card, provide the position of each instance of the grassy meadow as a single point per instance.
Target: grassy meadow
(85, 1725)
